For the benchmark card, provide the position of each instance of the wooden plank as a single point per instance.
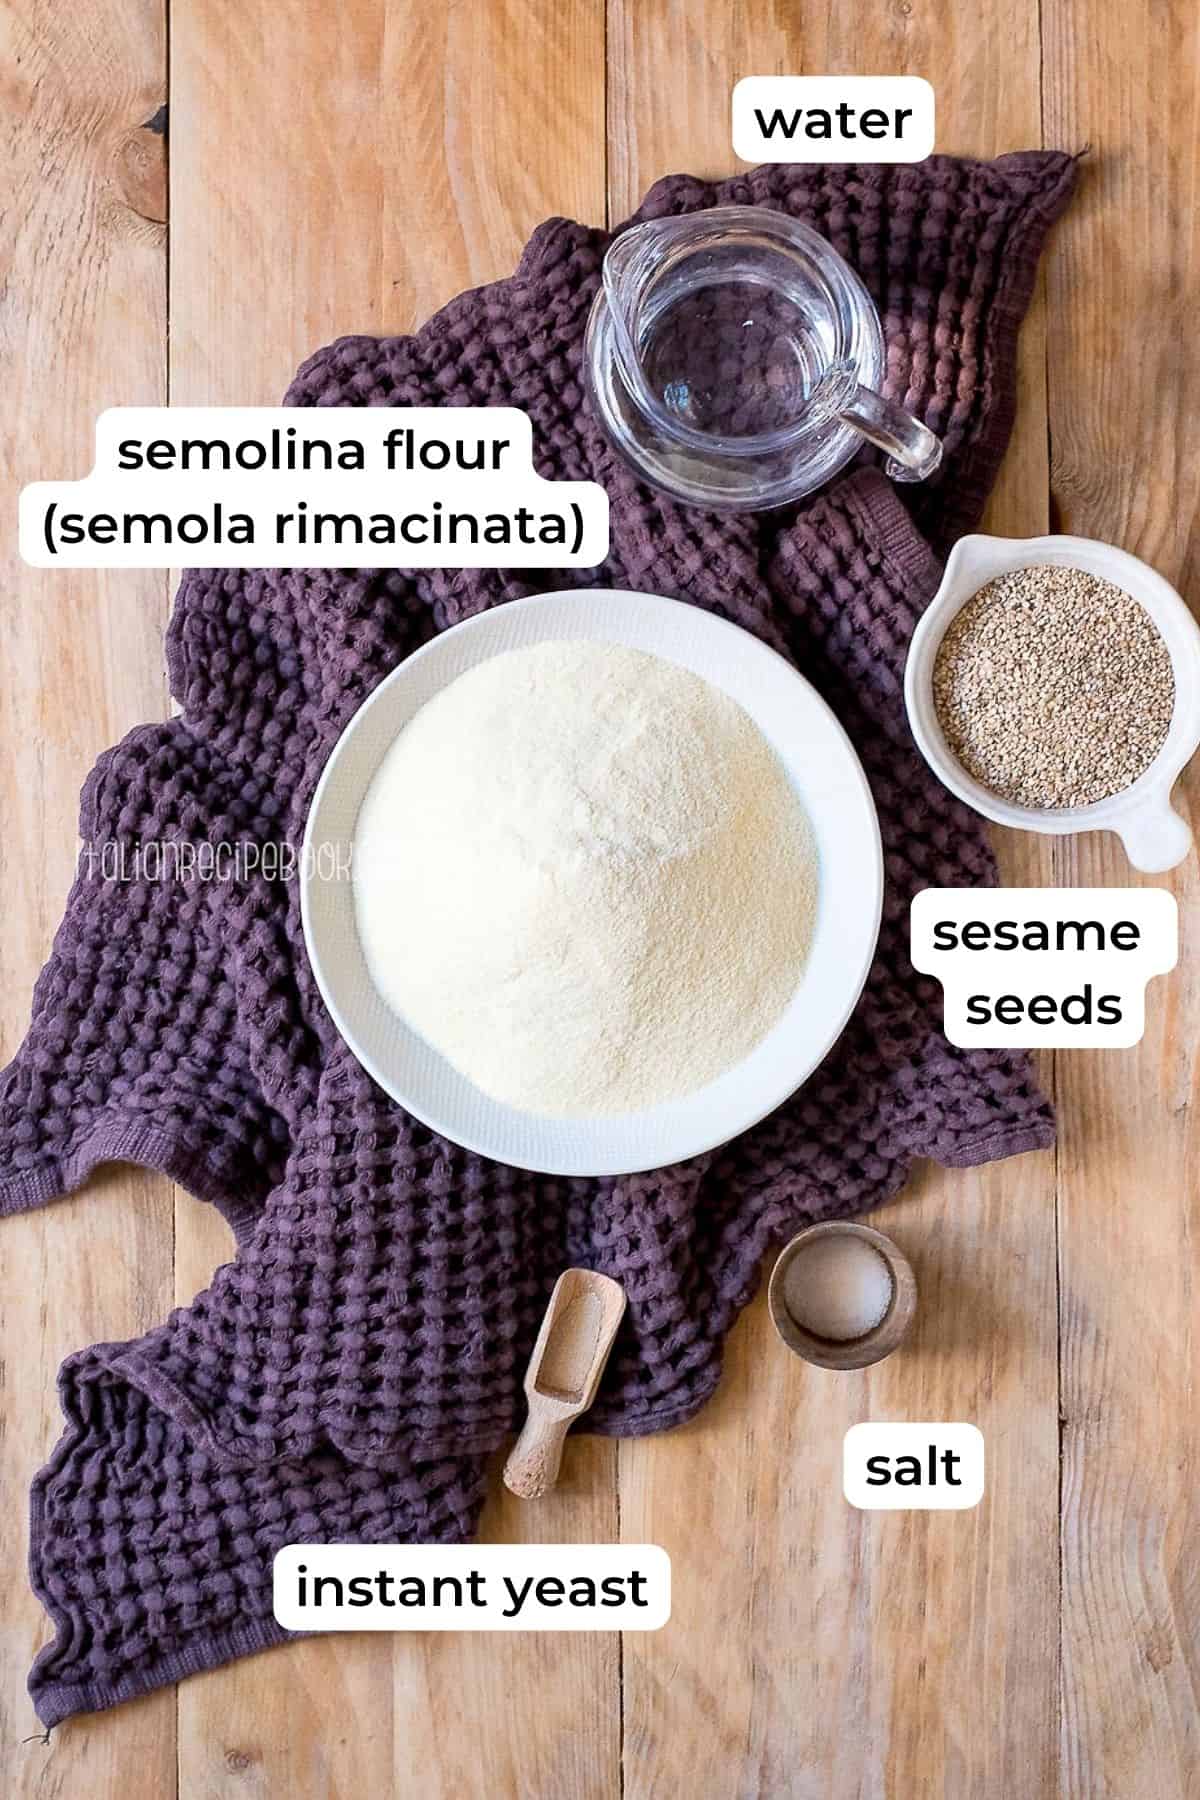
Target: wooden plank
(832, 1653)
(349, 179)
(532, 1714)
(1124, 396)
(82, 328)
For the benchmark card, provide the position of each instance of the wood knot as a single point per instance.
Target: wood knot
(238, 1761)
(1158, 1648)
(140, 168)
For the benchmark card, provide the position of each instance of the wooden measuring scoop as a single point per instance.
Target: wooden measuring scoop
(564, 1372)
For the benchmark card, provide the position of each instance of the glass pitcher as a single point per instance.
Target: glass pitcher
(735, 360)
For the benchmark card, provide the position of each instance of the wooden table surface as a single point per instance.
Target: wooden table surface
(347, 168)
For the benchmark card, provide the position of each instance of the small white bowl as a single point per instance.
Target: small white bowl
(1154, 836)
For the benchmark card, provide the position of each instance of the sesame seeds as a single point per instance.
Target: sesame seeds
(1053, 687)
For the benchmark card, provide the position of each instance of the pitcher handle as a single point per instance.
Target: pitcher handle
(913, 450)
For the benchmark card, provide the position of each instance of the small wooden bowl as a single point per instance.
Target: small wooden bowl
(845, 1353)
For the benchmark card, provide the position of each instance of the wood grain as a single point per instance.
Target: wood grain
(1124, 398)
(82, 326)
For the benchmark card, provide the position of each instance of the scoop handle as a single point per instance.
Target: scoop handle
(1155, 837)
(534, 1461)
(913, 450)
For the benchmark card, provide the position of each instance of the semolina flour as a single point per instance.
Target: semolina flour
(582, 875)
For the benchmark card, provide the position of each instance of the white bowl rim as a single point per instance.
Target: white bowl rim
(1139, 812)
(614, 1163)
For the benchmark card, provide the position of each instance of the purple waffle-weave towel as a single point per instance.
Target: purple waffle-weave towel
(344, 1377)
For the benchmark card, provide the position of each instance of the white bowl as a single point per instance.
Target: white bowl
(1153, 834)
(827, 778)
